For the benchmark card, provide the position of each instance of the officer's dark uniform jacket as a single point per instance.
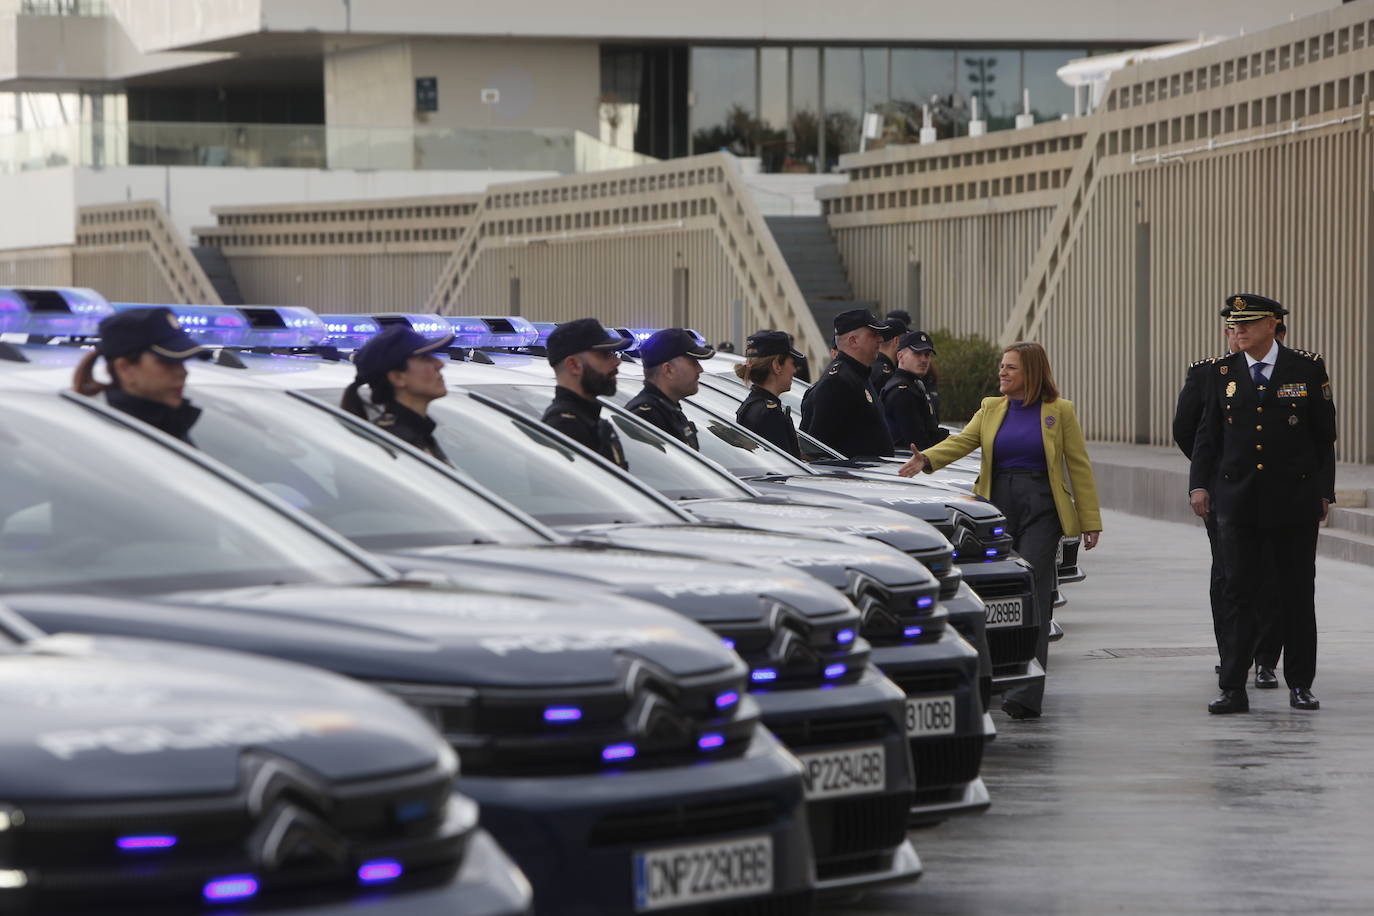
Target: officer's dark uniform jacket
(763, 414)
(1267, 457)
(842, 411)
(881, 371)
(580, 420)
(906, 407)
(174, 421)
(1188, 413)
(660, 410)
(409, 426)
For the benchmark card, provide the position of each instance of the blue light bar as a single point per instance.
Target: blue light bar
(639, 335)
(618, 752)
(52, 311)
(729, 644)
(844, 637)
(834, 671)
(379, 871)
(760, 675)
(924, 602)
(545, 328)
(711, 742)
(911, 632)
(998, 532)
(426, 325)
(562, 714)
(991, 552)
(234, 887)
(210, 325)
(500, 331)
(138, 843)
(349, 332)
(727, 699)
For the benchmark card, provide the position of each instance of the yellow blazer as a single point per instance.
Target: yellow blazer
(1075, 499)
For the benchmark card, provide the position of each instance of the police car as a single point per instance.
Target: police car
(612, 745)
(140, 777)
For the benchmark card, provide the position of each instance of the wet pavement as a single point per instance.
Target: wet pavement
(1127, 797)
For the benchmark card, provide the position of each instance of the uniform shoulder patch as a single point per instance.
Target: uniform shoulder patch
(1308, 354)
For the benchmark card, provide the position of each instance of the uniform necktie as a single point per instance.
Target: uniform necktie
(1257, 373)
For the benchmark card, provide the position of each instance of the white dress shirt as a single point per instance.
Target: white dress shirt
(1269, 359)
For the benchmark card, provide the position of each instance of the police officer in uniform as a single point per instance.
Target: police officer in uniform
(841, 409)
(403, 376)
(1264, 462)
(885, 363)
(585, 361)
(1186, 417)
(672, 371)
(770, 364)
(145, 351)
(906, 405)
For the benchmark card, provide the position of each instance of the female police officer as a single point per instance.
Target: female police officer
(145, 350)
(1029, 436)
(770, 364)
(402, 375)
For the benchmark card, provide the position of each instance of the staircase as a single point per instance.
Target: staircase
(809, 249)
(1349, 530)
(220, 274)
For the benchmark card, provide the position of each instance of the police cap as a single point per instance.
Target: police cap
(1250, 307)
(918, 341)
(578, 335)
(390, 349)
(155, 329)
(901, 315)
(854, 319)
(896, 327)
(670, 343)
(772, 343)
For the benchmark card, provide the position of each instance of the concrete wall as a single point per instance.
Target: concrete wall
(47, 201)
(370, 86)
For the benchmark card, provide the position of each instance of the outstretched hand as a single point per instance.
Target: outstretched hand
(914, 466)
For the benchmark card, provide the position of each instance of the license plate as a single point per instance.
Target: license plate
(1005, 612)
(929, 716)
(855, 771)
(703, 873)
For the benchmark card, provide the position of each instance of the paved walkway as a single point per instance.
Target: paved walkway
(1127, 797)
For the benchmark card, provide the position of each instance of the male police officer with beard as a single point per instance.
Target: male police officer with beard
(1264, 460)
(585, 363)
(841, 409)
(672, 371)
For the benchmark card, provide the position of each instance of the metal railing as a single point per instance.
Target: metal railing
(130, 251)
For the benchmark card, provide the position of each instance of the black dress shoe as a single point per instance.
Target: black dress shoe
(1217, 668)
(1230, 701)
(1017, 711)
(1265, 678)
(1301, 698)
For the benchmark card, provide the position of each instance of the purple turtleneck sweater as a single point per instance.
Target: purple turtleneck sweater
(1019, 443)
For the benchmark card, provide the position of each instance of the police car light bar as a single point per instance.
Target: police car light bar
(245, 326)
(545, 328)
(500, 331)
(639, 335)
(349, 332)
(52, 311)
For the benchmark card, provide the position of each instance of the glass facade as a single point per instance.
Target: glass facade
(800, 108)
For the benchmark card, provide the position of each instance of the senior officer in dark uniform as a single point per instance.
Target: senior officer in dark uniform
(1187, 414)
(672, 371)
(906, 405)
(585, 361)
(841, 409)
(1266, 445)
(403, 376)
(145, 351)
(885, 363)
(771, 362)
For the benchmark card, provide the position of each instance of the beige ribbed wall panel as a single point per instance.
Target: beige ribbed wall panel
(131, 274)
(36, 267)
(343, 283)
(631, 285)
(971, 267)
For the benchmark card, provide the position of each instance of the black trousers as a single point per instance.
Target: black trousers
(1271, 576)
(1033, 522)
(1216, 588)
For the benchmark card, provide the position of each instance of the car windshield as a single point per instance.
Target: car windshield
(651, 455)
(351, 478)
(724, 395)
(528, 466)
(87, 504)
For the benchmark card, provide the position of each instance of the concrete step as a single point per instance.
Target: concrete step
(1346, 545)
(1355, 521)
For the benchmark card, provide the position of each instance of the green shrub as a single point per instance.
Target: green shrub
(967, 370)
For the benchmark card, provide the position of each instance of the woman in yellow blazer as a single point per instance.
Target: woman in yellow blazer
(1031, 443)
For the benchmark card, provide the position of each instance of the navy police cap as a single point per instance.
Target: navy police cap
(772, 343)
(854, 319)
(578, 335)
(154, 329)
(1250, 307)
(391, 348)
(918, 341)
(670, 343)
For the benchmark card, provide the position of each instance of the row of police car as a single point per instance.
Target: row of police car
(304, 667)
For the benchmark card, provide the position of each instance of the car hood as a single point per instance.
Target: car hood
(831, 559)
(409, 634)
(705, 590)
(100, 718)
(929, 501)
(806, 512)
